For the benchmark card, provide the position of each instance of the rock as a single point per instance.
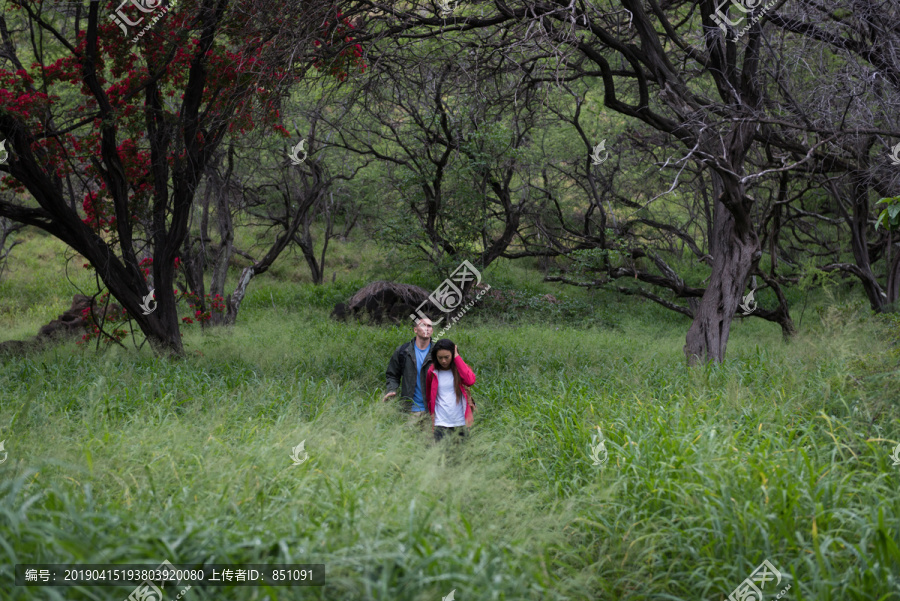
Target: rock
(382, 301)
(340, 312)
(70, 324)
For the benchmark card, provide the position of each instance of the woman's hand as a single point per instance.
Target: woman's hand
(455, 352)
(388, 395)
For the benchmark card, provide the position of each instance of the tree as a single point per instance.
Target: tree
(110, 141)
(630, 233)
(844, 89)
(455, 135)
(7, 230)
(671, 67)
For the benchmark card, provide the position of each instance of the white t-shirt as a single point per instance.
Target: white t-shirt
(446, 411)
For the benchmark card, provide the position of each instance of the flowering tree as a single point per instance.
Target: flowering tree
(111, 118)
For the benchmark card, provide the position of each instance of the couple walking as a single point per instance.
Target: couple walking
(434, 379)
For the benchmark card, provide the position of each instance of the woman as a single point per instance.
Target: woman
(446, 391)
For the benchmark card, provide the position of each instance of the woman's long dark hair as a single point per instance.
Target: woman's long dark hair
(445, 344)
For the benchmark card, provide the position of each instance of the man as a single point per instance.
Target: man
(410, 363)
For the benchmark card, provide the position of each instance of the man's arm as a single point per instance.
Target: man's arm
(394, 370)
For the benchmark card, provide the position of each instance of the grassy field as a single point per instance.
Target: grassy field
(781, 454)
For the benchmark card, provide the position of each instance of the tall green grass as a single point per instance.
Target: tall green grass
(782, 454)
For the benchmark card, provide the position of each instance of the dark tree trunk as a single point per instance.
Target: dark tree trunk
(781, 315)
(225, 251)
(859, 244)
(305, 242)
(737, 250)
(233, 302)
(893, 279)
(315, 269)
(193, 270)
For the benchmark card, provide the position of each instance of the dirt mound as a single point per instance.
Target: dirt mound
(70, 324)
(382, 301)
